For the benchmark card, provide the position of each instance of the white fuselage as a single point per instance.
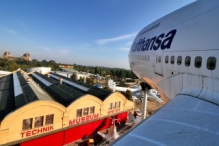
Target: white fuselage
(178, 53)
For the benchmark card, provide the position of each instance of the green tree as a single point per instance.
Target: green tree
(74, 76)
(107, 88)
(34, 62)
(128, 94)
(90, 81)
(97, 70)
(81, 79)
(44, 62)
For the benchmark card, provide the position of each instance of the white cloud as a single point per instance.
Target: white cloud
(124, 49)
(122, 37)
(12, 32)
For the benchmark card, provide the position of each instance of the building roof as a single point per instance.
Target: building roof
(100, 93)
(14, 93)
(69, 90)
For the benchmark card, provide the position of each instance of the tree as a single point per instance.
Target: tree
(107, 88)
(97, 70)
(81, 79)
(74, 76)
(34, 62)
(90, 81)
(128, 94)
(44, 62)
(52, 62)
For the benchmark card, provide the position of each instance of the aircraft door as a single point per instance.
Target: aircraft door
(158, 64)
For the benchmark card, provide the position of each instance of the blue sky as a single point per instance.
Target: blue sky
(85, 32)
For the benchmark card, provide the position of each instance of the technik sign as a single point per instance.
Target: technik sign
(83, 119)
(162, 41)
(36, 131)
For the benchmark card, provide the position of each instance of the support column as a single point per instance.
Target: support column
(144, 108)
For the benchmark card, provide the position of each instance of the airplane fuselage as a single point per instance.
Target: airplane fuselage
(178, 53)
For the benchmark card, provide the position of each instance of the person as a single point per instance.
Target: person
(135, 114)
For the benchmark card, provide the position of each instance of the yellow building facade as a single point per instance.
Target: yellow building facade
(43, 118)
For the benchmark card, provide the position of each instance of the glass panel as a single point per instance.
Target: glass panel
(38, 121)
(110, 106)
(166, 59)
(187, 61)
(49, 119)
(172, 59)
(92, 110)
(198, 62)
(114, 105)
(211, 64)
(27, 124)
(159, 59)
(179, 60)
(79, 112)
(86, 110)
(118, 104)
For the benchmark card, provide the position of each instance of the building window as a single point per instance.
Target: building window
(187, 61)
(27, 124)
(166, 59)
(79, 113)
(38, 121)
(86, 111)
(110, 106)
(198, 62)
(172, 59)
(211, 63)
(118, 104)
(92, 110)
(179, 60)
(114, 105)
(49, 119)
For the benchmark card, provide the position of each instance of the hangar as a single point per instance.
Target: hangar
(54, 110)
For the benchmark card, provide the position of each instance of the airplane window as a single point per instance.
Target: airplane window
(172, 59)
(198, 62)
(148, 57)
(166, 59)
(211, 63)
(187, 61)
(159, 59)
(179, 60)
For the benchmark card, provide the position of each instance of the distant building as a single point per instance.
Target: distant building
(7, 54)
(42, 70)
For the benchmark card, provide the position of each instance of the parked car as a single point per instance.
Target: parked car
(137, 112)
(134, 98)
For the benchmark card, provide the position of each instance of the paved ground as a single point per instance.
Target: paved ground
(152, 106)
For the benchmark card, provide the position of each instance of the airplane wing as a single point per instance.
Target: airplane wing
(185, 120)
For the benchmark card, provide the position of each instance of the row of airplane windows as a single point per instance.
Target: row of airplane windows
(211, 61)
(210, 64)
(140, 57)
